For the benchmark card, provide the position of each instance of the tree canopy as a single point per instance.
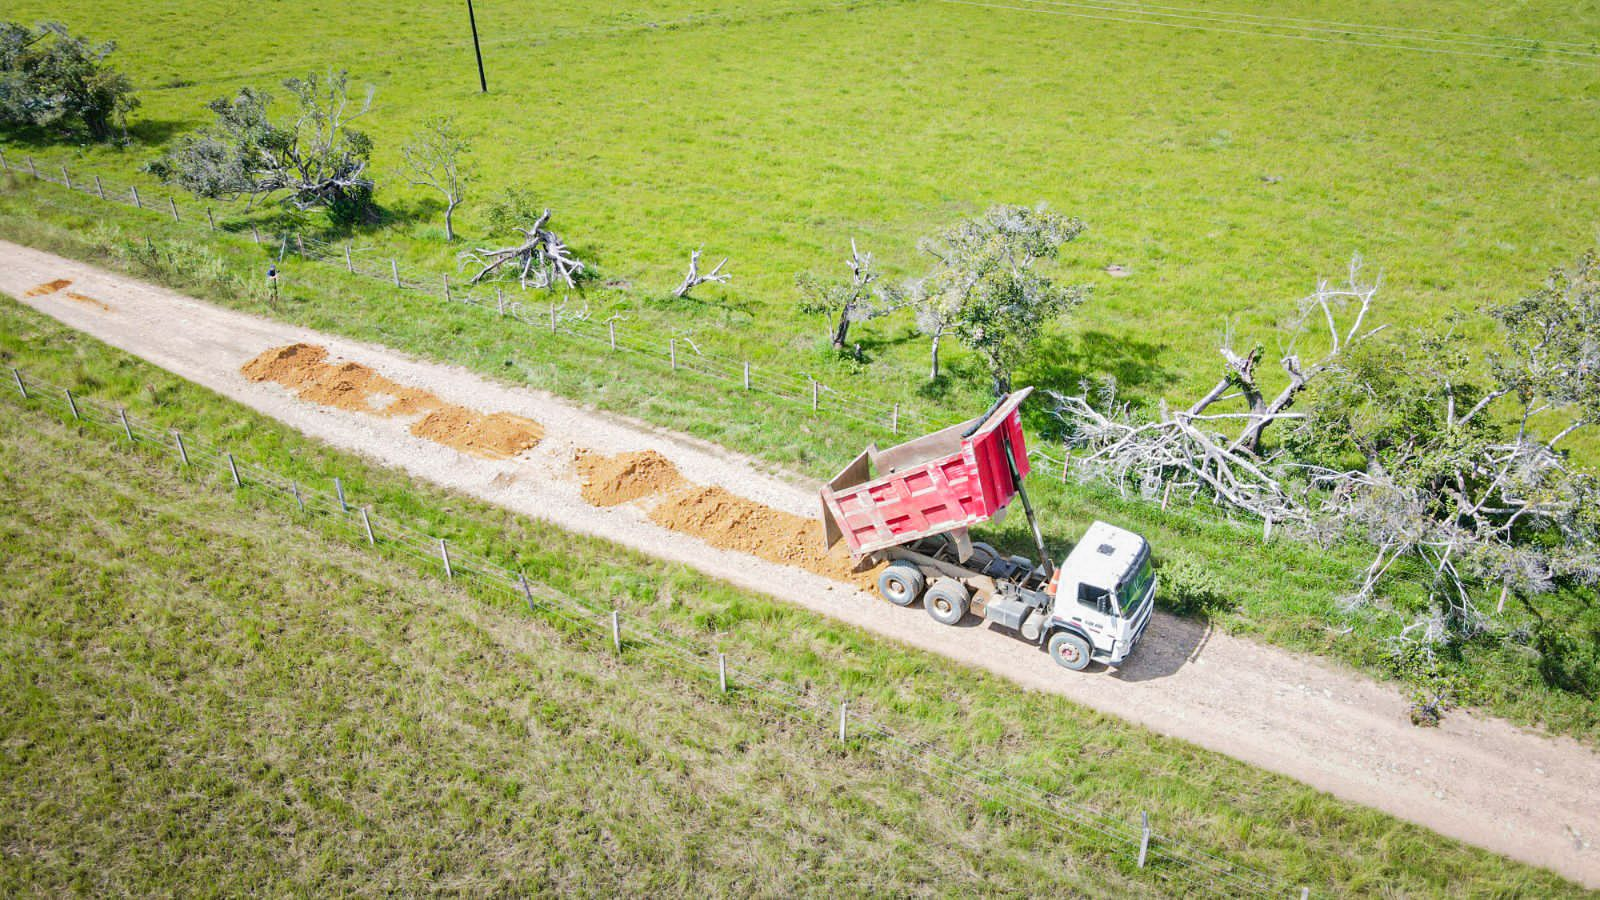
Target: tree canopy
(50, 78)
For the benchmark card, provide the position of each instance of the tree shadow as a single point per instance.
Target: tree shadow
(1062, 364)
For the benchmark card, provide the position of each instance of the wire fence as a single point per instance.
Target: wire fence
(675, 354)
(1134, 847)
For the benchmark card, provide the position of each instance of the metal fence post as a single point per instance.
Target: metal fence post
(1144, 838)
(136, 201)
(367, 524)
(73, 405)
(338, 488)
(183, 452)
(294, 488)
(394, 266)
(99, 188)
(174, 205)
(20, 386)
(234, 468)
(527, 590)
(444, 554)
(126, 428)
(722, 671)
(616, 631)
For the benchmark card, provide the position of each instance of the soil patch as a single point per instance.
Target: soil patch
(86, 299)
(49, 287)
(495, 435)
(610, 480)
(726, 520)
(305, 369)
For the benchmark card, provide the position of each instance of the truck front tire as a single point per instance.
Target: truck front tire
(1070, 651)
(946, 601)
(900, 584)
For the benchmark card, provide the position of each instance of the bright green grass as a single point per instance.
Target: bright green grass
(1286, 593)
(774, 135)
(204, 693)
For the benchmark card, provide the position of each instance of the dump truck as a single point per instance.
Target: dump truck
(911, 506)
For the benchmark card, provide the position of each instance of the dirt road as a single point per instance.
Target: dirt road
(1475, 778)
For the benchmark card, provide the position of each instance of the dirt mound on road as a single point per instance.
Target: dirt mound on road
(49, 287)
(726, 520)
(305, 369)
(610, 480)
(495, 435)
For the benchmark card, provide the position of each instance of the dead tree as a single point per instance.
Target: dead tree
(694, 278)
(541, 258)
(844, 302)
(434, 159)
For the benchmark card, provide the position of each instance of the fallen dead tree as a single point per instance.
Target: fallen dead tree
(1491, 512)
(694, 279)
(541, 258)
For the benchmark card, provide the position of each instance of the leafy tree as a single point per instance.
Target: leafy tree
(434, 158)
(844, 302)
(50, 78)
(985, 289)
(315, 160)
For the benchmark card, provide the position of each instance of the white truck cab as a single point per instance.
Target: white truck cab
(1102, 597)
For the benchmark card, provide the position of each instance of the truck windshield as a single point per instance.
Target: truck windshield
(1132, 590)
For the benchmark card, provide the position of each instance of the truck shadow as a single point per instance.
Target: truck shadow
(1168, 643)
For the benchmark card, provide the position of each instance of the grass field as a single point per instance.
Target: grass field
(205, 693)
(773, 132)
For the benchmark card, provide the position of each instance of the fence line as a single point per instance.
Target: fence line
(1180, 867)
(803, 390)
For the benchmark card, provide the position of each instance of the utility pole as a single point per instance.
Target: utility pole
(483, 83)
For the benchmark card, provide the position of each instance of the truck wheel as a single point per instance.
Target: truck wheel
(983, 555)
(946, 601)
(1069, 651)
(901, 583)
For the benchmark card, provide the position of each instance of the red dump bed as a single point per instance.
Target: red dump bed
(943, 482)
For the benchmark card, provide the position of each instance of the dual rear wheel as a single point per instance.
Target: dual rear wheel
(946, 600)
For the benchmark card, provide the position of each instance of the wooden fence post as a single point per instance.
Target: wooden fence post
(99, 188)
(447, 287)
(1144, 838)
(349, 265)
(616, 631)
(73, 405)
(722, 671)
(500, 301)
(814, 391)
(126, 428)
(255, 233)
(894, 420)
(672, 349)
(552, 318)
(444, 554)
(844, 715)
(234, 468)
(367, 524)
(611, 329)
(338, 488)
(20, 386)
(394, 266)
(31, 170)
(66, 177)
(4, 166)
(747, 374)
(183, 452)
(294, 488)
(174, 204)
(136, 201)
(300, 244)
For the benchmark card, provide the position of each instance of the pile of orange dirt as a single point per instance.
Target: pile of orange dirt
(305, 369)
(49, 287)
(86, 299)
(495, 435)
(726, 520)
(610, 480)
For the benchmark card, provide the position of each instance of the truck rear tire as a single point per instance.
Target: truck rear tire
(1069, 650)
(946, 600)
(901, 583)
